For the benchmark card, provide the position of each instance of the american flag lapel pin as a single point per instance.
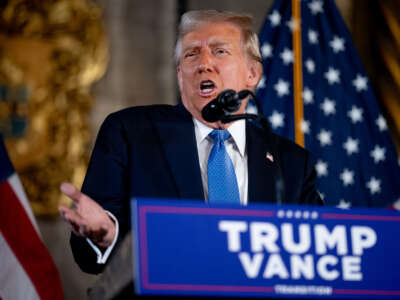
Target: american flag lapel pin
(269, 156)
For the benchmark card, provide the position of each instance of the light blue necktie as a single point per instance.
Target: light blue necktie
(222, 184)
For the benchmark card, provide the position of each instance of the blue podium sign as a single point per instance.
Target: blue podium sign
(191, 248)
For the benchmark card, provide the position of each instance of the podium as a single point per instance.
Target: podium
(192, 249)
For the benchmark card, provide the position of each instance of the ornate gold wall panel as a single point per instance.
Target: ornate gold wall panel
(50, 54)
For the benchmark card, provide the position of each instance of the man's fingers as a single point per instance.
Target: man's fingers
(73, 218)
(71, 191)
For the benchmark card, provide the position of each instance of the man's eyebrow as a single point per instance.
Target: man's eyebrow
(219, 43)
(191, 46)
(212, 43)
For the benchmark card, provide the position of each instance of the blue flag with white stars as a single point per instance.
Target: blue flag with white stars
(355, 159)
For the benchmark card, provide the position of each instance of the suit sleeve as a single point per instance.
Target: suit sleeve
(106, 182)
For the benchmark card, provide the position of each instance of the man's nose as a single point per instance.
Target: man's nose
(205, 62)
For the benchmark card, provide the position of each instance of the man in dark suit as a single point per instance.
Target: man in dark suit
(162, 151)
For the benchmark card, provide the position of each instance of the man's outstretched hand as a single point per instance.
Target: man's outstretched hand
(87, 218)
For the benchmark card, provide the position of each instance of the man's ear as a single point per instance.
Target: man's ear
(254, 74)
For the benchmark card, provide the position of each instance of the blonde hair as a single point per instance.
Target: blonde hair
(193, 19)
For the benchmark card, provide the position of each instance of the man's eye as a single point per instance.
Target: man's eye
(190, 54)
(220, 51)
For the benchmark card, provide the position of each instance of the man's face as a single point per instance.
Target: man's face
(212, 61)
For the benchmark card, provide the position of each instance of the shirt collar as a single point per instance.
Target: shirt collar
(237, 131)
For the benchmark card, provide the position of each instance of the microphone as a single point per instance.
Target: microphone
(226, 103)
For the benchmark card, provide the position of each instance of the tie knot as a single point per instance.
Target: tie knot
(219, 135)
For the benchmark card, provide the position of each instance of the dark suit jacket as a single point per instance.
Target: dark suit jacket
(151, 151)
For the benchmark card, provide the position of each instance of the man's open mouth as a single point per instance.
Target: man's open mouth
(207, 87)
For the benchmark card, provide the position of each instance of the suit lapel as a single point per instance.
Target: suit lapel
(261, 169)
(176, 132)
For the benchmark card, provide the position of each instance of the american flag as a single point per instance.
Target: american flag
(355, 159)
(27, 270)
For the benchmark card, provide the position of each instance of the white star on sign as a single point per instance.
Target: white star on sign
(381, 122)
(287, 56)
(261, 83)
(378, 154)
(305, 126)
(324, 137)
(347, 177)
(322, 168)
(282, 88)
(312, 37)
(308, 96)
(351, 146)
(343, 204)
(266, 50)
(360, 83)
(276, 119)
(333, 75)
(328, 106)
(337, 44)
(315, 7)
(310, 65)
(374, 185)
(355, 114)
(275, 18)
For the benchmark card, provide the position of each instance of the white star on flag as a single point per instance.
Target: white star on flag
(287, 56)
(378, 154)
(282, 88)
(322, 195)
(355, 114)
(276, 119)
(351, 146)
(275, 18)
(293, 24)
(360, 83)
(337, 44)
(312, 36)
(308, 96)
(310, 65)
(261, 83)
(381, 122)
(325, 137)
(343, 204)
(333, 75)
(374, 185)
(315, 7)
(251, 108)
(347, 177)
(305, 126)
(328, 106)
(266, 50)
(322, 168)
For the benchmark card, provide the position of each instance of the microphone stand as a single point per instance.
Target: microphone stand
(260, 118)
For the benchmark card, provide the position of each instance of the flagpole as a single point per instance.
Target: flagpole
(297, 73)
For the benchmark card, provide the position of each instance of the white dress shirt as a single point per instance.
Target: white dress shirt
(236, 148)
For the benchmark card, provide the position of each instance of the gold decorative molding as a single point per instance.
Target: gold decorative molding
(51, 52)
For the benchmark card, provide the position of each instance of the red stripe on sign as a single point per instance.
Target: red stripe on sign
(27, 246)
